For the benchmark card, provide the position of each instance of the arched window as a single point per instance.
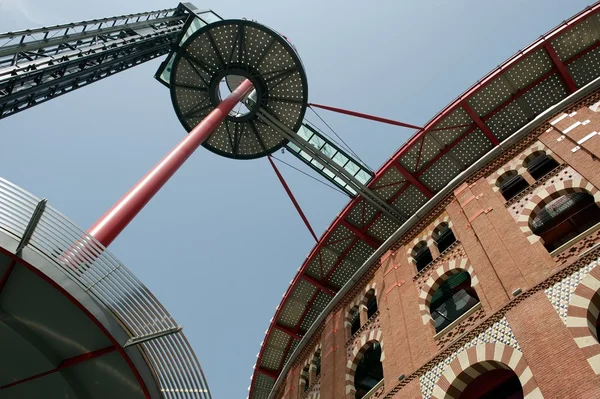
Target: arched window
(565, 218)
(354, 320)
(371, 304)
(304, 383)
(443, 236)
(369, 370)
(452, 299)
(422, 255)
(539, 164)
(317, 363)
(511, 184)
(497, 383)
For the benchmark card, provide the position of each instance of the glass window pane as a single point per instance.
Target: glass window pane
(352, 168)
(293, 147)
(165, 76)
(340, 159)
(317, 164)
(329, 173)
(305, 133)
(210, 17)
(305, 155)
(337, 179)
(328, 150)
(363, 177)
(317, 142)
(194, 26)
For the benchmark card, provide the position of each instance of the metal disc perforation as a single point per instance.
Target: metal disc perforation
(248, 49)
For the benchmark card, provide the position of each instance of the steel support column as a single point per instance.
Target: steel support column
(108, 227)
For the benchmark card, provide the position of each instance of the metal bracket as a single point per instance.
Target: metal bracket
(150, 337)
(33, 222)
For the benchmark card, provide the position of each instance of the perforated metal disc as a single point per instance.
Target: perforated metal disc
(247, 49)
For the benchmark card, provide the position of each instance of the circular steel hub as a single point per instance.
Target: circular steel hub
(227, 51)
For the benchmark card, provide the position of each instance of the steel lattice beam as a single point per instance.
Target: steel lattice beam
(37, 65)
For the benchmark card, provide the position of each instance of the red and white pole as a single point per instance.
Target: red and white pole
(110, 225)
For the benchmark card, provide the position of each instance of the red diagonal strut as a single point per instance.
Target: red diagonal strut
(293, 199)
(373, 242)
(482, 126)
(413, 180)
(287, 331)
(365, 116)
(562, 69)
(320, 285)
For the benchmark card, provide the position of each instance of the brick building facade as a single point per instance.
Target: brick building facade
(537, 310)
(495, 289)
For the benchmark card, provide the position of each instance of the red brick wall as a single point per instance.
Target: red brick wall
(560, 368)
(333, 357)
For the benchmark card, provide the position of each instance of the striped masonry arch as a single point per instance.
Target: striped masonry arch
(359, 303)
(367, 339)
(440, 275)
(474, 361)
(547, 195)
(582, 316)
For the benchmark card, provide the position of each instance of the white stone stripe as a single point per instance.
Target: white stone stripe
(560, 118)
(592, 283)
(526, 376)
(584, 342)
(573, 126)
(594, 361)
(577, 321)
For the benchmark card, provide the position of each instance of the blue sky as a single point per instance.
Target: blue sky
(221, 242)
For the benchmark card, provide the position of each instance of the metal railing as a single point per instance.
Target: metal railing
(87, 263)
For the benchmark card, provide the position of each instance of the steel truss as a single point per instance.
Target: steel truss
(37, 65)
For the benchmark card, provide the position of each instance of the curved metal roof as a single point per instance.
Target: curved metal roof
(75, 321)
(510, 96)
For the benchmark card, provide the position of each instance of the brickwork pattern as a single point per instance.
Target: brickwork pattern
(579, 248)
(441, 359)
(427, 358)
(464, 326)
